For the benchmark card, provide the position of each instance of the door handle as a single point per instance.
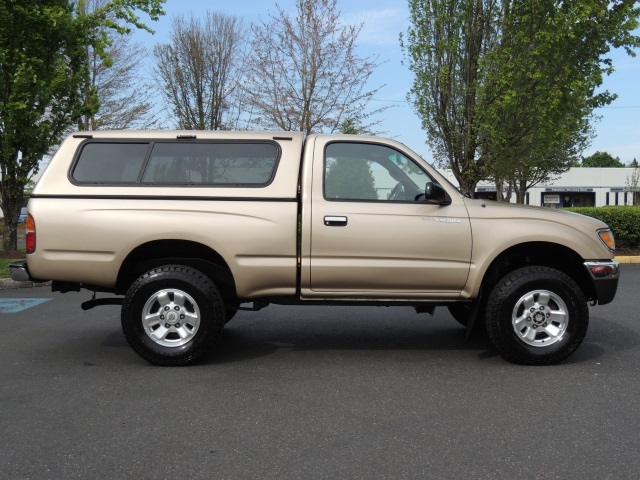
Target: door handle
(333, 221)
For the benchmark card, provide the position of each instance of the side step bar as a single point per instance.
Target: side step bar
(97, 302)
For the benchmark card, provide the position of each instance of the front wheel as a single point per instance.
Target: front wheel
(172, 315)
(537, 316)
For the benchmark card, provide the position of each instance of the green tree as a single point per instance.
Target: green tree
(602, 160)
(125, 100)
(507, 89)
(445, 48)
(45, 85)
(350, 127)
(350, 178)
(537, 99)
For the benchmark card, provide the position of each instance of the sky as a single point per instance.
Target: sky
(617, 132)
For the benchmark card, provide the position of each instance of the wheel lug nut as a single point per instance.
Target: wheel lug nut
(532, 310)
(177, 325)
(176, 308)
(166, 309)
(181, 317)
(535, 327)
(528, 319)
(167, 325)
(541, 308)
(548, 315)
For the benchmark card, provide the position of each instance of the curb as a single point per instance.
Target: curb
(630, 259)
(8, 284)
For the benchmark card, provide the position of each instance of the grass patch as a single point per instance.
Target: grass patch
(4, 265)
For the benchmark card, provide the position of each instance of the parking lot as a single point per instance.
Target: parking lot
(331, 392)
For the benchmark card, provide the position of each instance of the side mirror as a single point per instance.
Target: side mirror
(434, 193)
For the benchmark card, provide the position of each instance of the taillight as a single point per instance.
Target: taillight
(30, 237)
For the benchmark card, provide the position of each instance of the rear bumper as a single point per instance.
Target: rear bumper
(604, 276)
(19, 272)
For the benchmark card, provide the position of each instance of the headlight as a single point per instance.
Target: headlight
(606, 236)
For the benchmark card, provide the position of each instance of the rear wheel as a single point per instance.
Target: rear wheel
(536, 315)
(172, 315)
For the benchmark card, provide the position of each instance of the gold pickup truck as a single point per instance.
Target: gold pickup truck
(188, 226)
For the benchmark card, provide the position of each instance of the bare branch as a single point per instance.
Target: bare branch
(304, 73)
(200, 70)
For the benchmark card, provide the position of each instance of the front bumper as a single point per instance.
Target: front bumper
(604, 276)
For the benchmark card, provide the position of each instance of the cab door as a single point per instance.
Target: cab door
(373, 235)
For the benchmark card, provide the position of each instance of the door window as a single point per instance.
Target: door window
(370, 172)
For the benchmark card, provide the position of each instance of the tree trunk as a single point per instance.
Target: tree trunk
(507, 197)
(11, 210)
(12, 194)
(468, 187)
(521, 192)
(467, 181)
(499, 185)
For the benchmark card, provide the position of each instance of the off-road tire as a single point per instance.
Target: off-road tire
(191, 294)
(548, 334)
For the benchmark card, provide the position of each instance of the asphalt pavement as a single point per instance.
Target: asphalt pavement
(313, 392)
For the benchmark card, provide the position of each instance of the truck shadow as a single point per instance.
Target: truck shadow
(252, 336)
(240, 344)
(246, 337)
(346, 329)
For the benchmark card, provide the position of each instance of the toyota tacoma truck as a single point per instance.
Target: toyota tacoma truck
(186, 227)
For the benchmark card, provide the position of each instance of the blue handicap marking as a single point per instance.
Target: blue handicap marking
(15, 305)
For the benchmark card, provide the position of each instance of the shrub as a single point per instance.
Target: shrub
(624, 222)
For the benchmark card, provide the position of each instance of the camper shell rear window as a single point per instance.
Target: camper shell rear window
(176, 163)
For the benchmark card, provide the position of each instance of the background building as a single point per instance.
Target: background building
(578, 187)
